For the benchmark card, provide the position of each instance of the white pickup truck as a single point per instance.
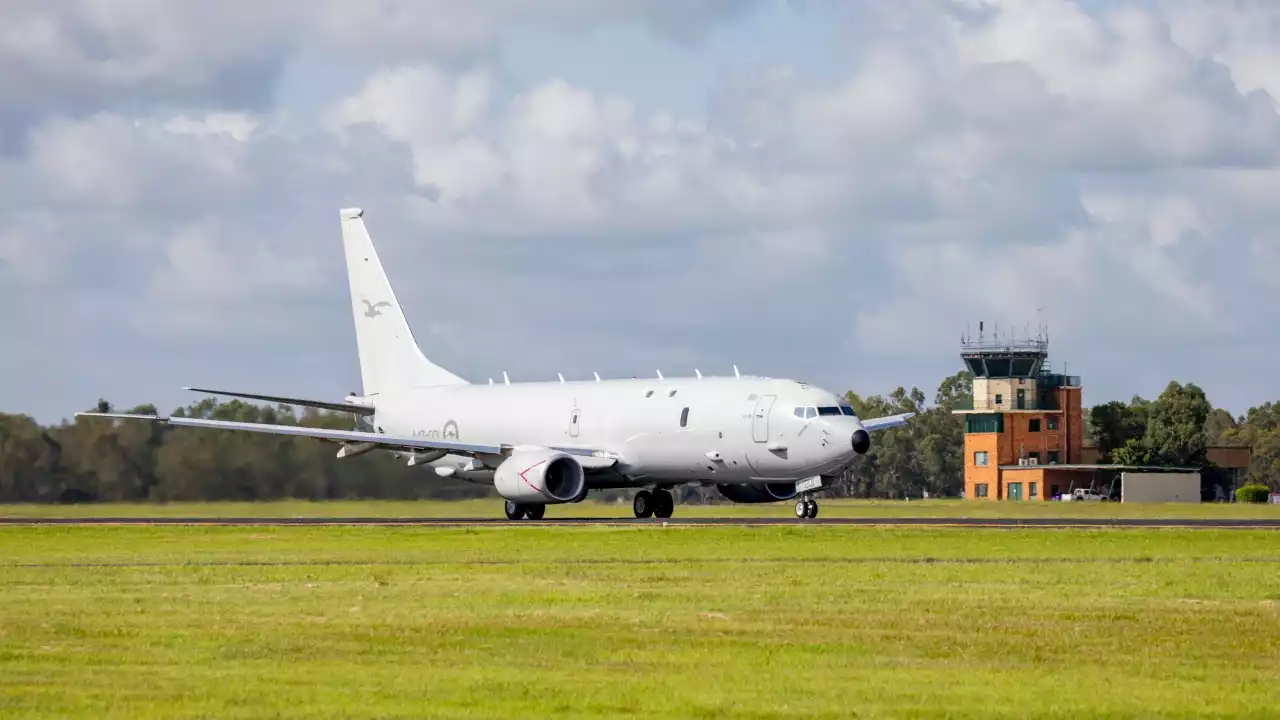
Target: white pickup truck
(1084, 495)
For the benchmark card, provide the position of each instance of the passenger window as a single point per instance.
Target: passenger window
(684, 417)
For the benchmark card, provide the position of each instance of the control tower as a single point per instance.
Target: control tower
(1022, 415)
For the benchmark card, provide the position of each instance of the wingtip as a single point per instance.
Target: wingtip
(351, 213)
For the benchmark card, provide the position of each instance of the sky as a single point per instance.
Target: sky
(833, 191)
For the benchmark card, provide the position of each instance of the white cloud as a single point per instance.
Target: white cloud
(978, 163)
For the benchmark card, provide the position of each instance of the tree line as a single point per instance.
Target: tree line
(99, 460)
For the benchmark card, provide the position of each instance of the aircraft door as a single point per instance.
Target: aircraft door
(574, 417)
(760, 418)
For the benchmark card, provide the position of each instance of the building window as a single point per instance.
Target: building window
(684, 417)
(1053, 457)
(1053, 422)
(999, 399)
(980, 458)
(984, 423)
(1033, 425)
(1053, 491)
(1031, 489)
(980, 490)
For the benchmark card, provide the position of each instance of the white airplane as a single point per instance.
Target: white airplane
(541, 443)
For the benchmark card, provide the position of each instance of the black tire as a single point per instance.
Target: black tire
(514, 510)
(642, 505)
(811, 509)
(535, 511)
(663, 504)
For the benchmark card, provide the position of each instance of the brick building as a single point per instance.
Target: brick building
(1024, 432)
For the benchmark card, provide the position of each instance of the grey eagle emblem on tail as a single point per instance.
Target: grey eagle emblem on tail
(371, 309)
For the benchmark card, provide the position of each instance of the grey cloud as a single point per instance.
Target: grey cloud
(78, 57)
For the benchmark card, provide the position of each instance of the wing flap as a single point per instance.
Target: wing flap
(590, 458)
(346, 436)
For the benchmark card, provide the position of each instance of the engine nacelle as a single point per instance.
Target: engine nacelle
(769, 492)
(539, 476)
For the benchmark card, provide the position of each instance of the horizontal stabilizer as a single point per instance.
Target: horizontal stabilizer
(319, 404)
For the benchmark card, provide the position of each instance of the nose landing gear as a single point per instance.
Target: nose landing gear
(806, 507)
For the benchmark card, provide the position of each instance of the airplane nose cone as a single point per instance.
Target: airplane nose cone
(861, 441)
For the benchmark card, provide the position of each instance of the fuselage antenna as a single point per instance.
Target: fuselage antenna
(597, 376)
(736, 373)
(660, 375)
(505, 379)
(697, 372)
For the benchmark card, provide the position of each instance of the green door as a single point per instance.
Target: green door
(1022, 399)
(1015, 491)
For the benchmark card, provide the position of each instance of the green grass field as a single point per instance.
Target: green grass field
(492, 508)
(649, 621)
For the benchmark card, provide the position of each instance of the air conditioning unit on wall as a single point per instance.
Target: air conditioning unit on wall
(1033, 461)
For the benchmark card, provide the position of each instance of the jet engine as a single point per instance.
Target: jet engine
(769, 492)
(539, 476)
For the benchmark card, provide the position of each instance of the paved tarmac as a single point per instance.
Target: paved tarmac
(1216, 523)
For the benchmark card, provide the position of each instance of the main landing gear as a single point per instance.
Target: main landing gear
(517, 511)
(806, 507)
(658, 503)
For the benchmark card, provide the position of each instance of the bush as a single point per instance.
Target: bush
(1253, 493)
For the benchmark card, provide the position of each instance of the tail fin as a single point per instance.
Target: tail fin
(389, 356)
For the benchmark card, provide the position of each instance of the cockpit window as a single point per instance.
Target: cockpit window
(800, 412)
(811, 412)
(829, 410)
(847, 410)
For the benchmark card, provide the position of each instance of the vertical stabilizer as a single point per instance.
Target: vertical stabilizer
(389, 356)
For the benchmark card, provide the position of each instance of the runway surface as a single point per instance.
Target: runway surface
(1216, 523)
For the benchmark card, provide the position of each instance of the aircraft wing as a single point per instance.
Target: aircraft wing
(300, 402)
(590, 458)
(884, 423)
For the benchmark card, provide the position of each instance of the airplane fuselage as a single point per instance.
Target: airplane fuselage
(666, 431)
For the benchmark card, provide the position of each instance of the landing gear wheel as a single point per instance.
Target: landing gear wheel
(535, 511)
(515, 511)
(663, 504)
(642, 505)
(811, 508)
(802, 509)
